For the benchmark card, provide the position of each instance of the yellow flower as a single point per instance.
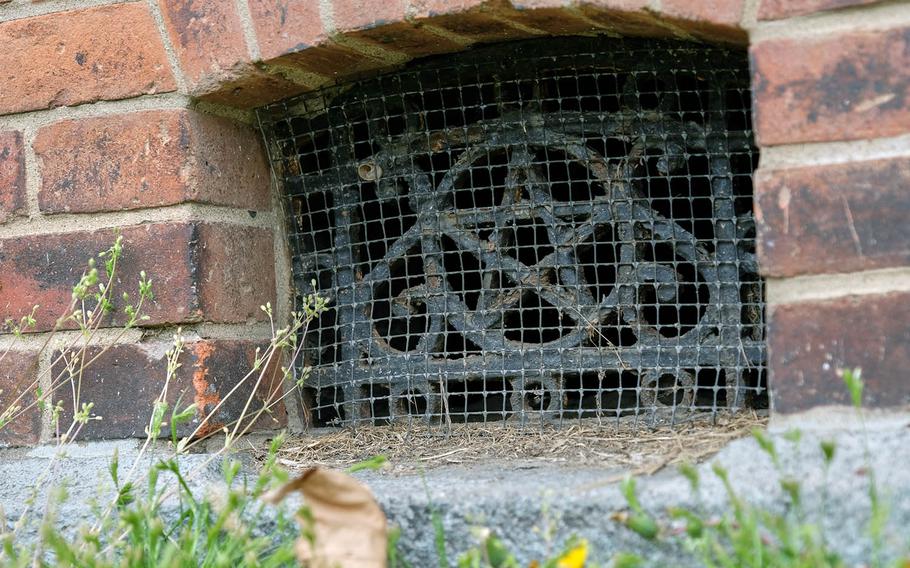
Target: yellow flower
(575, 557)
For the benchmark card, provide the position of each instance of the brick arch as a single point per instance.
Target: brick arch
(277, 48)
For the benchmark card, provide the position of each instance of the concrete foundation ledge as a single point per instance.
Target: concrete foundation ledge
(533, 508)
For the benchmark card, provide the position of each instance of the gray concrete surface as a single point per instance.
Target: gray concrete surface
(519, 502)
(533, 507)
(27, 477)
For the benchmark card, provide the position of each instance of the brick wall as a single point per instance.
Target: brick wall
(136, 115)
(832, 119)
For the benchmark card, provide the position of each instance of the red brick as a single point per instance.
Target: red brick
(848, 87)
(724, 12)
(478, 25)
(284, 27)
(836, 218)
(349, 15)
(777, 9)
(331, 60)
(125, 380)
(236, 272)
(80, 56)
(626, 18)
(718, 19)
(429, 8)
(630, 5)
(407, 37)
(207, 35)
(12, 175)
(552, 19)
(475, 20)
(18, 371)
(809, 342)
(253, 88)
(42, 269)
(149, 159)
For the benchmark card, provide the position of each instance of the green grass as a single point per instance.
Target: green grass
(169, 524)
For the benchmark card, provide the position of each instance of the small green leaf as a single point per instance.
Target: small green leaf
(626, 560)
(765, 443)
(372, 464)
(853, 378)
(793, 435)
(643, 525)
(828, 448)
(691, 473)
(627, 487)
(792, 488)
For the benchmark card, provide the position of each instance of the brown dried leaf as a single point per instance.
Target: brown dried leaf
(346, 523)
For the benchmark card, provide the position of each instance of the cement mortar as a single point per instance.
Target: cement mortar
(534, 507)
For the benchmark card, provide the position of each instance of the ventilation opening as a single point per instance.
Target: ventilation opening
(544, 230)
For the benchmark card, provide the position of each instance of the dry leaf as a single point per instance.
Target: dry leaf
(347, 527)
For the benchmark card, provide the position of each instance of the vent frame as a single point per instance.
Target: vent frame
(347, 155)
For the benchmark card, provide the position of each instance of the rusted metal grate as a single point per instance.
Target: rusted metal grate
(533, 231)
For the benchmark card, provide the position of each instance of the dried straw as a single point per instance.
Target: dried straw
(417, 446)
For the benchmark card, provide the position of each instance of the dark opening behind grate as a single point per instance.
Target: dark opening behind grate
(541, 230)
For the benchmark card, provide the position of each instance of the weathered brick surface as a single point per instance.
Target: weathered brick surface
(557, 21)
(721, 12)
(478, 25)
(621, 4)
(42, 269)
(711, 19)
(253, 88)
(777, 9)
(149, 159)
(125, 380)
(625, 19)
(429, 8)
(331, 60)
(351, 15)
(12, 174)
(207, 35)
(844, 87)
(18, 370)
(547, 16)
(291, 35)
(407, 37)
(285, 27)
(809, 342)
(79, 56)
(236, 272)
(836, 218)
(219, 365)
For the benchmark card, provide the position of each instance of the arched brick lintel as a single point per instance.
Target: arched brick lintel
(266, 50)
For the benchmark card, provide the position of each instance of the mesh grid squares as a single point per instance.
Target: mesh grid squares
(545, 230)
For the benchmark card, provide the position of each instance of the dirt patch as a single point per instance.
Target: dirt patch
(629, 445)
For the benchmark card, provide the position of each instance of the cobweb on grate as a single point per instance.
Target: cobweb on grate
(538, 231)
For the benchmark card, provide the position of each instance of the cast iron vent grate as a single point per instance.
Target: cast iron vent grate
(541, 230)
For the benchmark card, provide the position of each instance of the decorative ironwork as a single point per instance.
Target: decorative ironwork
(547, 229)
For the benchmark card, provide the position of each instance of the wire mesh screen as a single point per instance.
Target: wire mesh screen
(545, 230)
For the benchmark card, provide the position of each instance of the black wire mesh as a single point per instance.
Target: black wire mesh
(541, 230)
